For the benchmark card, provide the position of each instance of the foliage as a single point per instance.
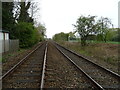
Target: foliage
(8, 21)
(27, 34)
(112, 35)
(116, 35)
(61, 37)
(17, 20)
(42, 31)
(90, 29)
(85, 26)
(91, 37)
(72, 36)
(24, 15)
(10, 18)
(103, 31)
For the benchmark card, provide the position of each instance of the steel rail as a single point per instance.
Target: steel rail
(91, 79)
(105, 69)
(43, 69)
(19, 63)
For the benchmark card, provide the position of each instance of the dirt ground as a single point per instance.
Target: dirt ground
(103, 54)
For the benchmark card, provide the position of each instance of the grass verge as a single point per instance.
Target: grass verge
(106, 52)
(13, 54)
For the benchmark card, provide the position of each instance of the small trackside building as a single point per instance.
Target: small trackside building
(4, 41)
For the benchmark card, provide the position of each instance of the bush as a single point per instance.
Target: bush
(27, 34)
(61, 37)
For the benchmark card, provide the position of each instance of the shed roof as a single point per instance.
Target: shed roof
(4, 31)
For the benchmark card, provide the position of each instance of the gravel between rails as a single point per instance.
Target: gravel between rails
(60, 73)
(28, 75)
(104, 79)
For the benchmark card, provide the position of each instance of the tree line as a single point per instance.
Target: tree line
(91, 28)
(17, 19)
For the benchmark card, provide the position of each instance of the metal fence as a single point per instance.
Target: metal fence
(9, 45)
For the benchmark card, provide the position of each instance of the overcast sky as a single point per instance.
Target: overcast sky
(59, 15)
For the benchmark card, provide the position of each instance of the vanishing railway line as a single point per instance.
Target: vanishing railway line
(49, 66)
(60, 73)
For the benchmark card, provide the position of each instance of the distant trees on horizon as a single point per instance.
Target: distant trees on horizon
(89, 28)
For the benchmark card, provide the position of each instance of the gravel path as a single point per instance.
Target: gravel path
(103, 78)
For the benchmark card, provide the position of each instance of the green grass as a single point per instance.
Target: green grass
(93, 41)
(103, 42)
(113, 42)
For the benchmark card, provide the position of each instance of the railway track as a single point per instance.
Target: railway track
(45, 67)
(52, 66)
(102, 77)
(60, 73)
(28, 72)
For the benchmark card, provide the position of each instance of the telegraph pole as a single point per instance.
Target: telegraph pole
(119, 14)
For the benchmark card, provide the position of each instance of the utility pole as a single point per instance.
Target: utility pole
(119, 14)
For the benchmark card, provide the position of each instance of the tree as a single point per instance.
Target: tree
(115, 34)
(8, 21)
(24, 15)
(42, 31)
(103, 25)
(72, 36)
(34, 8)
(85, 26)
(61, 37)
(27, 34)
